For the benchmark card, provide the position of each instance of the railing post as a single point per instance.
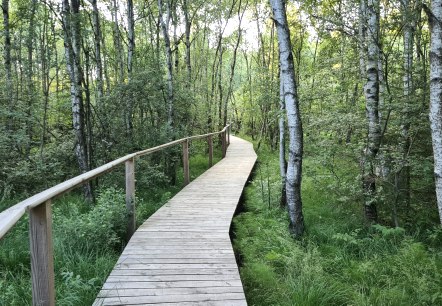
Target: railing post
(228, 135)
(186, 162)
(210, 141)
(223, 143)
(42, 255)
(130, 197)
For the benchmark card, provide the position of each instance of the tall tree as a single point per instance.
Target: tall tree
(72, 46)
(371, 91)
(408, 36)
(294, 166)
(435, 17)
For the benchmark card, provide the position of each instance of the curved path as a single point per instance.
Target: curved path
(182, 255)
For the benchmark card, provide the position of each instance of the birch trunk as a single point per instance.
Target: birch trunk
(372, 111)
(404, 175)
(435, 17)
(72, 45)
(294, 166)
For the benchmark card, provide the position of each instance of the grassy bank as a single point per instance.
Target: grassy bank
(339, 261)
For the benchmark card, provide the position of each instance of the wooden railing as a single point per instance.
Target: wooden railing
(39, 208)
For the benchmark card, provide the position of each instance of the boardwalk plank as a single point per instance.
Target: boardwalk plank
(182, 255)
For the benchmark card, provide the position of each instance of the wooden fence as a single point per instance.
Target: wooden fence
(39, 208)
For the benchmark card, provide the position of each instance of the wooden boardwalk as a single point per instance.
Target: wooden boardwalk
(182, 255)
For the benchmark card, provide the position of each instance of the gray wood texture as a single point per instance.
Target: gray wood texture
(42, 259)
(182, 255)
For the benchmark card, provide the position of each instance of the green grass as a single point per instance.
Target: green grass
(87, 239)
(339, 261)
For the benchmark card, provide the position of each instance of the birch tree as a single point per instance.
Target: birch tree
(72, 45)
(435, 17)
(408, 36)
(294, 166)
(371, 91)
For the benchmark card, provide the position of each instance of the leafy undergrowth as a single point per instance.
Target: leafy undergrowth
(339, 261)
(87, 238)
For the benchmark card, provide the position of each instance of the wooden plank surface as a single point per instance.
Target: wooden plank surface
(182, 255)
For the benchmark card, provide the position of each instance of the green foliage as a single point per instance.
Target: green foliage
(101, 227)
(337, 262)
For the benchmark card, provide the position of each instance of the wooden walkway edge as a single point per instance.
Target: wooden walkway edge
(182, 255)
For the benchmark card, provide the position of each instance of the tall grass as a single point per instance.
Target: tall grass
(339, 261)
(87, 238)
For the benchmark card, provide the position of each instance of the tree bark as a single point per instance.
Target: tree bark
(72, 45)
(294, 166)
(372, 111)
(435, 17)
(404, 175)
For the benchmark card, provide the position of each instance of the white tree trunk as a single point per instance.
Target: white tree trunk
(372, 110)
(435, 17)
(404, 175)
(72, 45)
(294, 166)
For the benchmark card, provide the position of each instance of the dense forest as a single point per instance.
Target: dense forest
(343, 96)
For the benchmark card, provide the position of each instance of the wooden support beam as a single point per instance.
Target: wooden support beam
(228, 135)
(186, 162)
(210, 142)
(223, 143)
(42, 255)
(130, 197)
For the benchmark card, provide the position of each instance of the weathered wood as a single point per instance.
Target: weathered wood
(182, 255)
(186, 170)
(228, 134)
(10, 216)
(210, 142)
(130, 197)
(223, 144)
(42, 258)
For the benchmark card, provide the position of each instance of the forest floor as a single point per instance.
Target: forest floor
(339, 261)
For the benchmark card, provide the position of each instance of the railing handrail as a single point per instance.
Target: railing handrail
(10, 216)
